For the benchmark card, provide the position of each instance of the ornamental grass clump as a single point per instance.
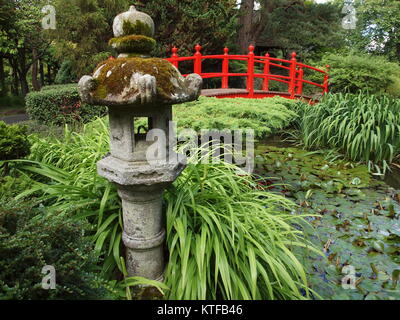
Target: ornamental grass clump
(364, 127)
(226, 238)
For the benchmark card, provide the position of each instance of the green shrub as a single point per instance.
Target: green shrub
(66, 74)
(356, 72)
(265, 116)
(11, 185)
(364, 127)
(227, 238)
(14, 143)
(60, 105)
(59, 86)
(30, 240)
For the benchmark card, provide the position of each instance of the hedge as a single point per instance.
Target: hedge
(265, 116)
(56, 105)
(357, 72)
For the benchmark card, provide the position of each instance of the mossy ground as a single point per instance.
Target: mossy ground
(120, 70)
(356, 224)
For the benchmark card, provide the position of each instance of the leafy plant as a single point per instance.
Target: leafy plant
(226, 237)
(14, 143)
(30, 240)
(66, 73)
(356, 72)
(356, 225)
(60, 104)
(264, 116)
(364, 127)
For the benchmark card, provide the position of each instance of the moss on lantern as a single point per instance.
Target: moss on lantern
(135, 44)
(138, 28)
(114, 76)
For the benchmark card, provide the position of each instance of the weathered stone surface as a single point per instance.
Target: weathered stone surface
(133, 22)
(132, 173)
(136, 86)
(85, 86)
(138, 81)
(144, 232)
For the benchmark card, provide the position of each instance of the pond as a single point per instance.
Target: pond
(355, 220)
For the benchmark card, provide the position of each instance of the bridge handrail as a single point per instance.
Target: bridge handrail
(295, 79)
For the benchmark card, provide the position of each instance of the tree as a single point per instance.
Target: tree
(22, 41)
(309, 28)
(184, 23)
(252, 23)
(378, 28)
(82, 33)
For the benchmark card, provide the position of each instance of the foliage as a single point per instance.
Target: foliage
(31, 240)
(219, 251)
(265, 116)
(60, 105)
(11, 185)
(22, 39)
(356, 222)
(364, 127)
(11, 101)
(207, 217)
(14, 143)
(59, 86)
(355, 72)
(319, 23)
(83, 29)
(210, 23)
(378, 28)
(65, 74)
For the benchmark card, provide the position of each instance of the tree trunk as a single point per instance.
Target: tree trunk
(3, 90)
(398, 51)
(24, 84)
(49, 74)
(22, 72)
(41, 73)
(245, 37)
(35, 69)
(15, 78)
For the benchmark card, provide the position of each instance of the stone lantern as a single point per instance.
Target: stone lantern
(135, 85)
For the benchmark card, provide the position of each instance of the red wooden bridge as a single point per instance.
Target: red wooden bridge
(294, 79)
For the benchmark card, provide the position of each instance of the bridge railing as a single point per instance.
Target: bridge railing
(294, 79)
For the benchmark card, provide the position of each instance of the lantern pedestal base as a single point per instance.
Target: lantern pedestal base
(141, 188)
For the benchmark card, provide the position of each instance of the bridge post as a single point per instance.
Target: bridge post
(197, 60)
(292, 75)
(300, 73)
(250, 72)
(266, 72)
(175, 57)
(326, 79)
(225, 69)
